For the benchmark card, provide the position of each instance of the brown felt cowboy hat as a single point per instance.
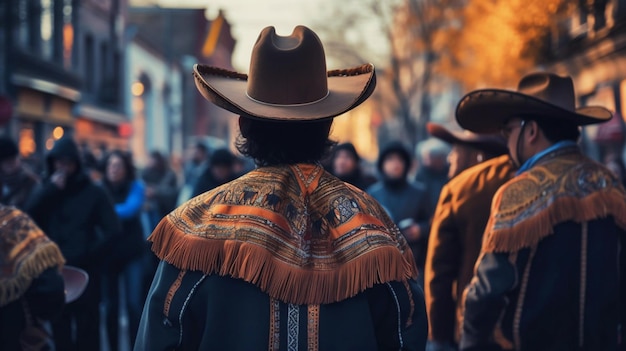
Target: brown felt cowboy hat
(287, 81)
(539, 95)
(490, 143)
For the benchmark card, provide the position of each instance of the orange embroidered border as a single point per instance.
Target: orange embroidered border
(171, 292)
(313, 321)
(274, 341)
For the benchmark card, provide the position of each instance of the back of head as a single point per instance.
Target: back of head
(432, 150)
(222, 157)
(8, 148)
(270, 142)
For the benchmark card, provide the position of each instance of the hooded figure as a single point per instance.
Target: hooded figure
(406, 202)
(219, 171)
(79, 217)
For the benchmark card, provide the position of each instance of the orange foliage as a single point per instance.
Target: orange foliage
(497, 41)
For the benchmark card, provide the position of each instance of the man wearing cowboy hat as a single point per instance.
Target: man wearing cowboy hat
(479, 165)
(550, 275)
(287, 256)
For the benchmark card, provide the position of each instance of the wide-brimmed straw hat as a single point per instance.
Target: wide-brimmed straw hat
(288, 81)
(76, 281)
(490, 143)
(539, 95)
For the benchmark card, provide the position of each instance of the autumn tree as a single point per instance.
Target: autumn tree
(498, 41)
(406, 29)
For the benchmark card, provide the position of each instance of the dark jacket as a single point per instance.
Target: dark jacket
(404, 200)
(222, 313)
(80, 218)
(551, 274)
(128, 198)
(15, 189)
(455, 239)
(166, 186)
(31, 285)
(207, 182)
(433, 181)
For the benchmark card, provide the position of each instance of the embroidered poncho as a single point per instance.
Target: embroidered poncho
(25, 252)
(563, 186)
(298, 233)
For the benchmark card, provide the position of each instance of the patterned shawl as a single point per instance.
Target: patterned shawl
(298, 233)
(25, 252)
(564, 186)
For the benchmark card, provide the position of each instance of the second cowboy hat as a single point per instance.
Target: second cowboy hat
(540, 95)
(287, 81)
(492, 144)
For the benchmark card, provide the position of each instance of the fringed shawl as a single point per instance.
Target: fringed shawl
(25, 252)
(298, 233)
(564, 186)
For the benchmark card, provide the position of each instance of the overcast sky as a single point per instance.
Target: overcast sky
(249, 17)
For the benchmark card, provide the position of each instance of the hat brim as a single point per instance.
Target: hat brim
(76, 281)
(347, 89)
(486, 143)
(485, 111)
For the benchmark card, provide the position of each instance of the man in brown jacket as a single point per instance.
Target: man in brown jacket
(457, 228)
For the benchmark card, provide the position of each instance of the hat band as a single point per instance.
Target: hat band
(286, 105)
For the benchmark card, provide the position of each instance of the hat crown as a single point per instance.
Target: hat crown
(550, 88)
(287, 70)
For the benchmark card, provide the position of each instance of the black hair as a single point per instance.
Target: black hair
(271, 143)
(556, 131)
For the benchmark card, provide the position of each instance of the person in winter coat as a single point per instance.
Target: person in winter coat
(219, 171)
(161, 188)
(31, 284)
(551, 274)
(127, 262)
(406, 202)
(79, 217)
(458, 226)
(287, 256)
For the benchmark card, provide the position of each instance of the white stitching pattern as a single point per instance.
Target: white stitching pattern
(395, 297)
(182, 310)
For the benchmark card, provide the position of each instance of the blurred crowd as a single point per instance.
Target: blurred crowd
(101, 209)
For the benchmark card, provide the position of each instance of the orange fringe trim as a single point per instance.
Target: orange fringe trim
(529, 232)
(280, 280)
(45, 256)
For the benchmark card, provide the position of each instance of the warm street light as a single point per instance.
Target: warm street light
(137, 88)
(57, 133)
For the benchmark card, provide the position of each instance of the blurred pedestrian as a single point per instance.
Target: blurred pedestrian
(79, 217)
(467, 148)
(31, 286)
(286, 255)
(161, 188)
(346, 165)
(219, 171)
(127, 262)
(551, 274)
(458, 225)
(16, 182)
(406, 202)
(196, 163)
(432, 169)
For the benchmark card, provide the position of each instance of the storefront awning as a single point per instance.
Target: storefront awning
(100, 115)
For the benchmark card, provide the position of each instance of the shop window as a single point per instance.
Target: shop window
(22, 29)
